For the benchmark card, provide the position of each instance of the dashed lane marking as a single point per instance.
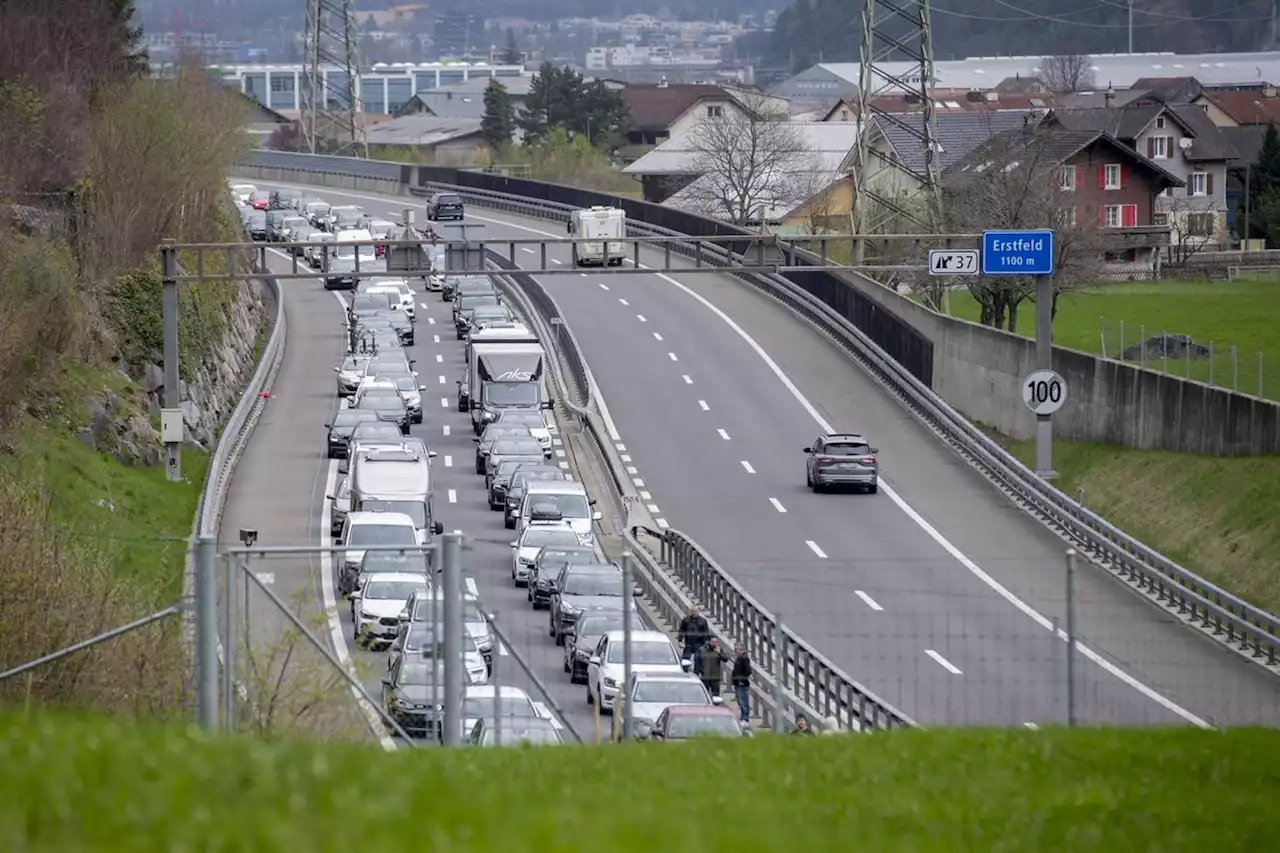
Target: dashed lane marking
(723, 434)
(868, 600)
(641, 318)
(453, 496)
(688, 380)
(777, 504)
(446, 429)
(943, 662)
(624, 302)
(657, 337)
(747, 466)
(818, 552)
(702, 404)
(638, 482)
(448, 462)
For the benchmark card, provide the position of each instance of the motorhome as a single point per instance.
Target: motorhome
(505, 376)
(504, 333)
(603, 229)
(390, 478)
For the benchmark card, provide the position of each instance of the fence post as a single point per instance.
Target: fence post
(1210, 364)
(1260, 373)
(172, 381)
(497, 689)
(228, 621)
(627, 616)
(206, 634)
(1071, 636)
(779, 663)
(1142, 346)
(1164, 351)
(1120, 354)
(1102, 336)
(1235, 370)
(1187, 351)
(454, 671)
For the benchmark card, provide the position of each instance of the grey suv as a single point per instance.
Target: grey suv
(842, 459)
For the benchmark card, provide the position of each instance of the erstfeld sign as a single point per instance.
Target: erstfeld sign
(1017, 252)
(953, 261)
(1044, 392)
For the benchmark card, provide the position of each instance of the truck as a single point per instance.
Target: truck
(508, 333)
(603, 229)
(505, 376)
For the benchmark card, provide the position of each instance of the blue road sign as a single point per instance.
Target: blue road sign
(1017, 252)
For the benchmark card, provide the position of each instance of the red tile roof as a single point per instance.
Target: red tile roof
(655, 106)
(1252, 107)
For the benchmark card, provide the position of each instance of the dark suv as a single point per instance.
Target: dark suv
(842, 459)
(445, 206)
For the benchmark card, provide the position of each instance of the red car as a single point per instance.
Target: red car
(681, 722)
(259, 200)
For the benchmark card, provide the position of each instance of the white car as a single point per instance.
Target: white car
(560, 500)
(651, 693)
(435, 281)
(365, 529)
(478, 703)
(525, 549)
(376, 607)
(536, 421)
(651, 651)
(400, 294)
(241, 192)
(370, 384)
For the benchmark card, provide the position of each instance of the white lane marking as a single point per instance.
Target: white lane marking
(602, 286)
(657, 337)
(560, 452)
(653, 508)
(632, 470)
(443, 381)
(431, 321)
(723, 434)
(702, 404)
(556, 261)
(624, 302)
(453, 496)
(639, 483)
(424, 305)
(439, 358)
(526, 249)
(672, 356)
(444, 402)
(688, 380)
(448, 462)
(943, 662)
(622, 448)
(868, 600)
(747, 466)
(892, 493)
(564, 464)
(435, 339)
(584, 275)
(446, 429)
(625, 458)
(661, 522)
(645, 496)
(267, 578)
(641, 318)
(777, 504)
(813, 546)
(556, 442)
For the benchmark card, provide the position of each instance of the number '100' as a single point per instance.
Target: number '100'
(1046, 392)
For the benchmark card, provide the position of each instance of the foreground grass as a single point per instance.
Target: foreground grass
(1243, 314)
(79, 785)
(1215, 515)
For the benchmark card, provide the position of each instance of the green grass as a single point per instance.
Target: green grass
(1243, 314)
(129, 515)
(1215, 515)
(79, 785)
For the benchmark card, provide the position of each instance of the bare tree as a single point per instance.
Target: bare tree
(1065, 74)
(746, 160)
(1191, 227)
(1011, 183)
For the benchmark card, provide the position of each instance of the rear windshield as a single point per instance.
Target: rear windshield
(448, 199)
(848, 449)
(516, 447)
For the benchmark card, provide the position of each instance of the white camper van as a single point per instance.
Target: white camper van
(604, 228)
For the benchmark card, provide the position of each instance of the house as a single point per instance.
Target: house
(813, 193)
(441, 141)
(1256, 108)
(943, 101)
(465, 99)
(1181, 140)
(264, 121)
(1168, 90)
(896, 152)
(660, 111)
(1102, 180)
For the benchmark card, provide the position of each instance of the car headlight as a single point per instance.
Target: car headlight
(402, 704)
(609, 682)
(367, 617)
(485, 644)
(566, 607)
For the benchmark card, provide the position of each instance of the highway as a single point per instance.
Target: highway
(937, 592)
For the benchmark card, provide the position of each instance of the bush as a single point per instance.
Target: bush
(564, 159)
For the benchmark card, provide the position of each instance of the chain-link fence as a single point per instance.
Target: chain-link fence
(1217, 363)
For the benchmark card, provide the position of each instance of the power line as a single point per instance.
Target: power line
(1029, 15)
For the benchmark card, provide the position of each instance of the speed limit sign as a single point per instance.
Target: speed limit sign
(1044, 392)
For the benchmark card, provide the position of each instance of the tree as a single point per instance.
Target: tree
(746, 160)
(499, 121)
(559, 97)
(1264, 180)
(1065, 74)
(511, 52)
(1011, 183)
(1191, 226)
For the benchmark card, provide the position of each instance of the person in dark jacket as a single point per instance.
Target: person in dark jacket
(692, 633)
(802, 726)
(713, 659)
(740, 677)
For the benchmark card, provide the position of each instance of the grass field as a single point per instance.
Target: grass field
(75, 785)
(1215, 515)
(1243, 314)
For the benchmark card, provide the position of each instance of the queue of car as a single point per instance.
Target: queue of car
(383, 499)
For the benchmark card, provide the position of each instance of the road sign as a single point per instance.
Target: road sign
(1044, 392)
(953, 261)
(1017, 252)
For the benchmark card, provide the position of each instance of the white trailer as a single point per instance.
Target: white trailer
(603, 228)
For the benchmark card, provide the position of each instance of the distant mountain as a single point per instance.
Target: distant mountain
(831, 30)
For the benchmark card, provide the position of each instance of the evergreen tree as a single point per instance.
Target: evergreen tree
(1264, 183)
(134, 55)
(559, 97)
(511, 53)
(499, 121)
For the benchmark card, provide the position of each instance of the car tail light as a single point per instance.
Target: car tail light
(826, 459)
(868, 460)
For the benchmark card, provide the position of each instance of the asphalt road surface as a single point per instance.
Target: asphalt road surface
(937, 593)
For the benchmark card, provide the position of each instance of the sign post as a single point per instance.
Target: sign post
(1031, 253)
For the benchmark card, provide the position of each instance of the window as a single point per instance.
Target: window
(282, 82)
(1112, 176)
(1159, 147)
(1199, 184)
(715, 111)
(1067, 178)
(1160, 219)
(1113, 216)
(1118, 216)
(1160, 123)
(1066, 217)
(1200, 224)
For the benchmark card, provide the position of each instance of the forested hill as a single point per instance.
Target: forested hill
(830, 30)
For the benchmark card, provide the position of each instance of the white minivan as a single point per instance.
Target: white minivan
(559, 500)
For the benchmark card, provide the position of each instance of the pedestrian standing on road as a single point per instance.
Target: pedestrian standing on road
(741, 679)
(692, 633)
(713, 659)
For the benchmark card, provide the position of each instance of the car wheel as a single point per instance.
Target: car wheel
(567, 668)
(591, 697)
(480, 468)
(551, 627)
(559, 639)
(871, 490)
(509, 523)
(808, 478)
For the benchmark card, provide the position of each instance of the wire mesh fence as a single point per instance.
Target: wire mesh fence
(1217, 363)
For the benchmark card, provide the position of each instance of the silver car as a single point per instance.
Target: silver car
(340, 506)
(350, 373)
(842, 459)
(407, 385)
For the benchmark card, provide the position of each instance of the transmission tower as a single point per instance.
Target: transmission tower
(330, 123)
(897, 32)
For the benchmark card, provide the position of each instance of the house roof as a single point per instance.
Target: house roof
(655, 106)
(1179, 89)
(422, 130)
(1247, 107)
(678, 155)
(1247, 141)
(956, 133)
(1054, 145)
(1127, 124)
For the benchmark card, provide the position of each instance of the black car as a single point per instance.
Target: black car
(547, 566)
(581, 588)
(493, 432)
(407, 690)
(463, 305)
(340, 274)
(499, 483)
(388, 404)
(283, 199)
(402, 325)
(256, 224)
(344, 423)
(583, 636)
(445, 206)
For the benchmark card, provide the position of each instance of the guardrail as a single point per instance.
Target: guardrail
(1250, 630)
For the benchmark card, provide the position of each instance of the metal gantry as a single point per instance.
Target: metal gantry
(898, 32)
(330, 112)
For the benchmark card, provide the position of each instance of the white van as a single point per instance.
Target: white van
(605, 228)
(368, 254)
(565, 500)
